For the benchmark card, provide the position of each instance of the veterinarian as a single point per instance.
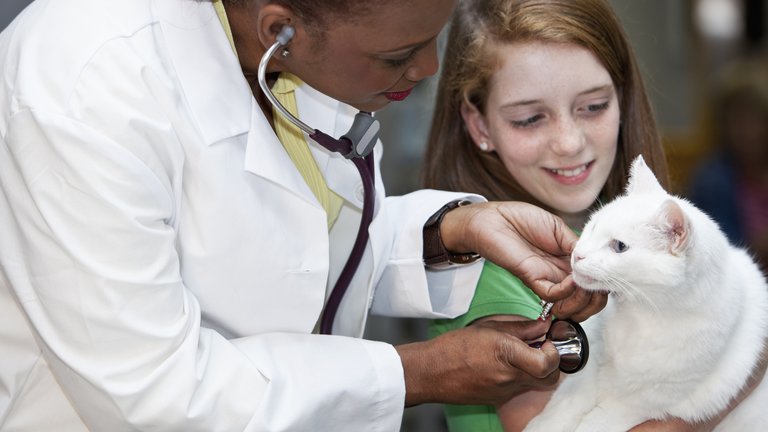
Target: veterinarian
(176, 252)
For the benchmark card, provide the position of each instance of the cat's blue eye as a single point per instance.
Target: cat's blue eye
(618, 246)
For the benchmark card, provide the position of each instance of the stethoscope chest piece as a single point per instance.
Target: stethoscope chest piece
(571, 343)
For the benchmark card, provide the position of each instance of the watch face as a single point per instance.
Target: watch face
(467, 258)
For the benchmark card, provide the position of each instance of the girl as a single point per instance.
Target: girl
(539, 101)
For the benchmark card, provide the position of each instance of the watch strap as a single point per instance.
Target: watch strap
(436, 256)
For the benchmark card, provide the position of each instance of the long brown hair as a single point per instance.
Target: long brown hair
(453, 162)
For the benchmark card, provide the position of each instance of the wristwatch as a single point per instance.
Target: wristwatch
(436, 256)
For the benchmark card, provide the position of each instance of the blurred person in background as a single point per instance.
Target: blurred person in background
(731, 185)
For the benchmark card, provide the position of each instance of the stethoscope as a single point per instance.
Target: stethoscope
(569, 339)
(356, 145)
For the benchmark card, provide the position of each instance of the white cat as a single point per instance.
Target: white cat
(684, 325)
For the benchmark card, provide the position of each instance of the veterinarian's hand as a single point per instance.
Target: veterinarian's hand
(485, 364)
(530, 242)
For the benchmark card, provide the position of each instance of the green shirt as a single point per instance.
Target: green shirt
(498, 293)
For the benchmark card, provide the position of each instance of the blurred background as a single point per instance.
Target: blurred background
(704, 62)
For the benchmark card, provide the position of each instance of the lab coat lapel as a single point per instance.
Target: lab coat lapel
(266, 157)
(334, 118)
(195, 36)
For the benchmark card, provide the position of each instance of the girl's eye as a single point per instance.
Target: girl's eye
(530, 121)
(595, 108)
(618, 246)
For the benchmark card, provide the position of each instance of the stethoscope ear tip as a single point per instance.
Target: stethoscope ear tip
(286, 34)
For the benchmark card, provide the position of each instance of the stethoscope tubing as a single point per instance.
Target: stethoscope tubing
(366, 170)
(364, 165)
(262, 74)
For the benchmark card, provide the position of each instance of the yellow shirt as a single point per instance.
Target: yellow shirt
(292, 137)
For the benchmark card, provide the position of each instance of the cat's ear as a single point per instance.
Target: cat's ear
(674, 225)
(641, 178)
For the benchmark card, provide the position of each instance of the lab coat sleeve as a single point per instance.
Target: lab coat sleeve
(406, 287)
(95, 270)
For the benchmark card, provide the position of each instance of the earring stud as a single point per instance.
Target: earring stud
(483, 146)
(285, 53)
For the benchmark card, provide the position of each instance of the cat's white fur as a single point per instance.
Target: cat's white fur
(684, 326)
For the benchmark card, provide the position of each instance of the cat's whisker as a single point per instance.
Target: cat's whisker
(621, 287)
(637, 296)
(642, 297)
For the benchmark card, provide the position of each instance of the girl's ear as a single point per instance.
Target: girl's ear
(477, 126)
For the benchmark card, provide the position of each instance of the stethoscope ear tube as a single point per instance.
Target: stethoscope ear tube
(356, 145)
(285, 35)
(362, 135)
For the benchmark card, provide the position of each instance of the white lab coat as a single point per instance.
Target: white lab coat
(162, 262)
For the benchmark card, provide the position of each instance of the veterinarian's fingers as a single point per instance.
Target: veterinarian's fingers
(554, 292)
(538, 363)
(597, 302)
(526, 330)
(578, 304)
(541, 364)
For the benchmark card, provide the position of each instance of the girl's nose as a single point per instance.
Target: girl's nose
(568, 138)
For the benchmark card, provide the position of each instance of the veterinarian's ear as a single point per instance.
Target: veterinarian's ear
(641, 178)
(477, 127)
(675, 226)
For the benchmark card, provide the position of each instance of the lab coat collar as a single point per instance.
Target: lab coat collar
(207, 68)
(266, 157)
(335, 119)
(210, 73)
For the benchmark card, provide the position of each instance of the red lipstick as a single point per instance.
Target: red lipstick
(398, 96)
